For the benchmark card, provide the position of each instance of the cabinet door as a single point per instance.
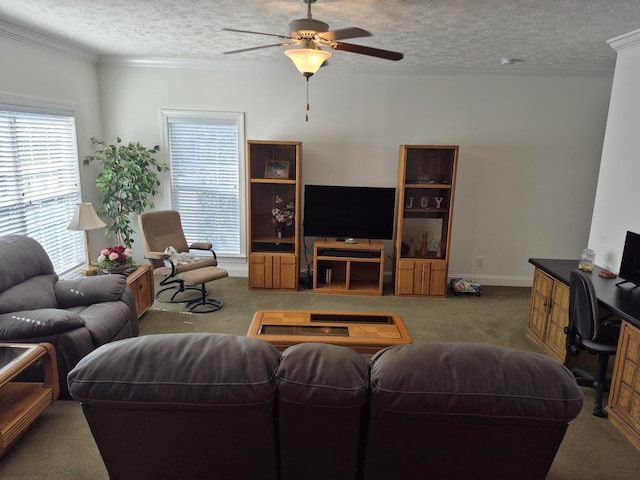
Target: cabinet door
(259, 271)
(540, 304)
(555, 338)
(405, 277)
(288, 277)
(624, 399)
(438, 279)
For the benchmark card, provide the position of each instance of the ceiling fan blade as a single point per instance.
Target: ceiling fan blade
(258, 48)
(341, 34)
(372, 52)
(257, 33)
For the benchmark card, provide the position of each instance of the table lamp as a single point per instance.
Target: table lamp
(84, 219)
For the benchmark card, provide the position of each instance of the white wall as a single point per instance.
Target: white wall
(55, 77)
(617, 202)
(530, 144)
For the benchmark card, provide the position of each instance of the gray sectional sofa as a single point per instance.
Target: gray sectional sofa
(76, 316)
(215, 406)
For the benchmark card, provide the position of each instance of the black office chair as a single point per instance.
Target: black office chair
(588, 331)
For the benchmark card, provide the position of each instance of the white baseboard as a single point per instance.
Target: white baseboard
(493, 280)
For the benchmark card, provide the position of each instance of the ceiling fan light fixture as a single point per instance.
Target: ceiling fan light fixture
(307, 60)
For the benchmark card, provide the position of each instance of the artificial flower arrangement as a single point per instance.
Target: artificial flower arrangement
(282, 215)
(115, 257)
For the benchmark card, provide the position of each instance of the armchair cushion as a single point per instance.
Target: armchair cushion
(90, 290)
(37, 323)
(32, 293)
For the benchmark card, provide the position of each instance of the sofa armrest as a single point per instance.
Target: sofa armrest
(90, 290)
(37, 323)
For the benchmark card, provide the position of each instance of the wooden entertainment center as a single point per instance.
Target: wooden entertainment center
(423, 220)
(351, 269)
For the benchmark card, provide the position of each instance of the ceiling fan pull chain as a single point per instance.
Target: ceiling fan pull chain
(306, 116)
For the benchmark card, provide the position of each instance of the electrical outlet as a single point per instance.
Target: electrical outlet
(480, 262)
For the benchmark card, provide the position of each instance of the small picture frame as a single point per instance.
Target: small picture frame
(276, 169)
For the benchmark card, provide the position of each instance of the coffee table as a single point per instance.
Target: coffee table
(364, 332)
(22, 402)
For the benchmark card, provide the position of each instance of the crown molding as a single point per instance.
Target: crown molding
(383, 69)
(46, 42)
(628, 40)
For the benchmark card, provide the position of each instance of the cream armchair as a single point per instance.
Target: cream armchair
(162, 230)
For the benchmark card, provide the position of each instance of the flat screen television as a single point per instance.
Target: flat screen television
(349, 212)
(630, 264)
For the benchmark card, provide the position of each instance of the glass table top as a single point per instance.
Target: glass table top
(11, 353)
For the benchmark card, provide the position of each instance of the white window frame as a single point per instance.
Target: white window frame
(73, 248)
(199, 116)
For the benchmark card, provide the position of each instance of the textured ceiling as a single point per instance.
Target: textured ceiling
(543, 34)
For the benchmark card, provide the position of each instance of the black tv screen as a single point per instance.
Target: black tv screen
(630, 264)
(349, 212)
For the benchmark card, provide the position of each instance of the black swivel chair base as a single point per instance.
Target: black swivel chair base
(598, 382)
(177, 290)
(203, 304)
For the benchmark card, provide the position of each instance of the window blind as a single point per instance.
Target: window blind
(205, 180)
(39, 181)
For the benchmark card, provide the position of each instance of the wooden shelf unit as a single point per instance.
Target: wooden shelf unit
(356, 269)
(426, 190)
(274, 169)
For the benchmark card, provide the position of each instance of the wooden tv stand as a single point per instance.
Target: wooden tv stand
(355, 269)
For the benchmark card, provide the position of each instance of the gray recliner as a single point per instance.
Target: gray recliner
(76, 316)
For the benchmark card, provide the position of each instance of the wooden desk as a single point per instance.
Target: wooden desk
(22, 402)
(364, 332)
(623, 406)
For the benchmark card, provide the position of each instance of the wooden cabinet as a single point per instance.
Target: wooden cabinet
(548, 315)
(352, 269)
(274, 213)
(419, 277)
(140, 282)
(623, 407)
(273, 271)
(426, 190)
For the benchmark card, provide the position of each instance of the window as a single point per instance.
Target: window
(206, 152)
(39, 181)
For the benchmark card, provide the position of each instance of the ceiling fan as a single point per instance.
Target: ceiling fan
(312, 36)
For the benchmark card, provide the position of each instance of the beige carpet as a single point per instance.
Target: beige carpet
(60, 446)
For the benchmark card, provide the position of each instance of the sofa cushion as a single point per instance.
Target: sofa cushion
(323, 375)
(32, 293)
(206, 369)
(466, 379)
(37, 323)
(89, 290)
(28, 254)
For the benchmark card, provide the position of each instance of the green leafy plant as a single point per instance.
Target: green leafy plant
(128, 182)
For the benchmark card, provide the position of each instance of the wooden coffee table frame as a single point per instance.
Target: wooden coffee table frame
(365, 332)
(22, 402)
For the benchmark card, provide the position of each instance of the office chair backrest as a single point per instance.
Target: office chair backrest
(162, 229)
(583, 306)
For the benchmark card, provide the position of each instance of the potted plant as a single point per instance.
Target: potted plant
(128, 182)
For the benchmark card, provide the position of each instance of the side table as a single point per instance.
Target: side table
(22, 402)
(140, 282)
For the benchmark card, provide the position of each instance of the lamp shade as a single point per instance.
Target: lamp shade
(307, 60)
(85, 218)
